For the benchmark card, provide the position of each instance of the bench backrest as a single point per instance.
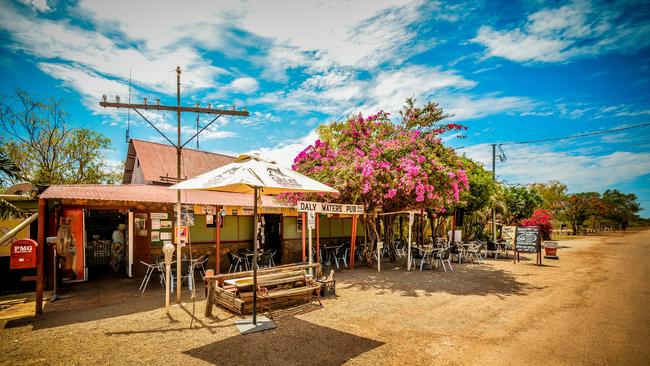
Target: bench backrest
(281, 278)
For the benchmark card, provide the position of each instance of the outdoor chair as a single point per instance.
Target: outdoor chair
(399, 248)
(200, 264)
(455, 250)
(273, 253)
(236, 262)
(147, 275)
(336, 255)
(493, 247)
(160, 265)
(474, 251)
(264, 260)
(346, 253)
(444, 256)
(418, 254)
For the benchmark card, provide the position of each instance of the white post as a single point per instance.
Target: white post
(408, 266)
(130, 241)
(311, 222)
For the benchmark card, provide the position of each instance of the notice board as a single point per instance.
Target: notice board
(528, 239)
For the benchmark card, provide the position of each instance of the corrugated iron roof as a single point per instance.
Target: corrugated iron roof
(159, 160)
(152, 194)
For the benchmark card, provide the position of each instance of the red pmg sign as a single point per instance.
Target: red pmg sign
(23, 254)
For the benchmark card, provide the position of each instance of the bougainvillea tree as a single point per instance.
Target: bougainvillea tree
(541, 219)
(387, 166)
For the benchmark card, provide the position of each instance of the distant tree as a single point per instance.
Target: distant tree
(553, 194)
(520, 201)
(576, 208)
(38, 140)
(620, 208)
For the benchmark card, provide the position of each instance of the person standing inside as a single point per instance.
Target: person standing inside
(117, 252)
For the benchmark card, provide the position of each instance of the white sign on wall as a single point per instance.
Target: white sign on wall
(311, 220)
(329, 208)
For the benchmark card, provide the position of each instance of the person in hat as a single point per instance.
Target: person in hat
(117, 251)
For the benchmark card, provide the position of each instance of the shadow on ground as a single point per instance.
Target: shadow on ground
(466, 279)
(293, 342)
(95, 300)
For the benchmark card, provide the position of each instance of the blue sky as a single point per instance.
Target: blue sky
(510, 71)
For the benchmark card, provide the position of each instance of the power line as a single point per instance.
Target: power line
(577, 136)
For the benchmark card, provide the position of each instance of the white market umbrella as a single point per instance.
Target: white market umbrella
(252, 174)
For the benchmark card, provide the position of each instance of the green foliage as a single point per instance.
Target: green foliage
(425, 117)
(520, 201)
(576, 208)
(8, 170)
(553, 194)
(483, 190)
(38, 140)
(620, 208)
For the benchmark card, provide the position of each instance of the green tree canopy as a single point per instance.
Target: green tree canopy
(521, 201)
(620, 208)
(39, 141)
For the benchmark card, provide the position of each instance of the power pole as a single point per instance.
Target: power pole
(179, 147)
(494, 178)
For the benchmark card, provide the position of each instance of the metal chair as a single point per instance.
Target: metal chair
(147, 275)
(235, 262)
(444, 256)
(265, 260)
(417, 253)
(201, 263)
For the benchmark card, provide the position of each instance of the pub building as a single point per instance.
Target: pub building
(143, 209)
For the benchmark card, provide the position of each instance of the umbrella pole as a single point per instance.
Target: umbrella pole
(255, 192)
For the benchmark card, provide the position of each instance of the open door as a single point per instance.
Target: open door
(141, 243)
(74, 261)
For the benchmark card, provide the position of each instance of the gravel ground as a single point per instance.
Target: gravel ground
(589, 307)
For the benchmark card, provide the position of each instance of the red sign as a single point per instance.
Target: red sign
(23, 254)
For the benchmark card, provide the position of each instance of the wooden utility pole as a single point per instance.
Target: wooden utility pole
(179, 147)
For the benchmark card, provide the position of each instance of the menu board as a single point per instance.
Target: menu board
(508, 234)
(528, 239)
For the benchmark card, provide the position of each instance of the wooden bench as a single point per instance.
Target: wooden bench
(271, 293)
(234, 291)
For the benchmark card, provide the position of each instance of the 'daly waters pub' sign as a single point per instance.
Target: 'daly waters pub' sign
(329, 208)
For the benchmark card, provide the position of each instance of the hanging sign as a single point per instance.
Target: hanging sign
(205, 210)
(329, 208)
(158, 215)
(182, 233)
(311, 220)
(23, 254)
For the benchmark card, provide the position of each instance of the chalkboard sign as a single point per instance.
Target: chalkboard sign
(528, 239)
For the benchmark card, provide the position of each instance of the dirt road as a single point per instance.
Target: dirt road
(590, 307)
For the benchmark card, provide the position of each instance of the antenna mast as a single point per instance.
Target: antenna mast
(128, 116)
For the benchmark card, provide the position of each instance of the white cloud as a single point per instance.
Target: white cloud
(89, 84)
(464, 107)
(339, 93)
(244, 85)
(578, 29)
(59, 40)
(358, 34)
(285, 152)
(542, 163)
(38, 5)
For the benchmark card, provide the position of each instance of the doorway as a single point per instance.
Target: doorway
(101, 228)
(273, 235)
